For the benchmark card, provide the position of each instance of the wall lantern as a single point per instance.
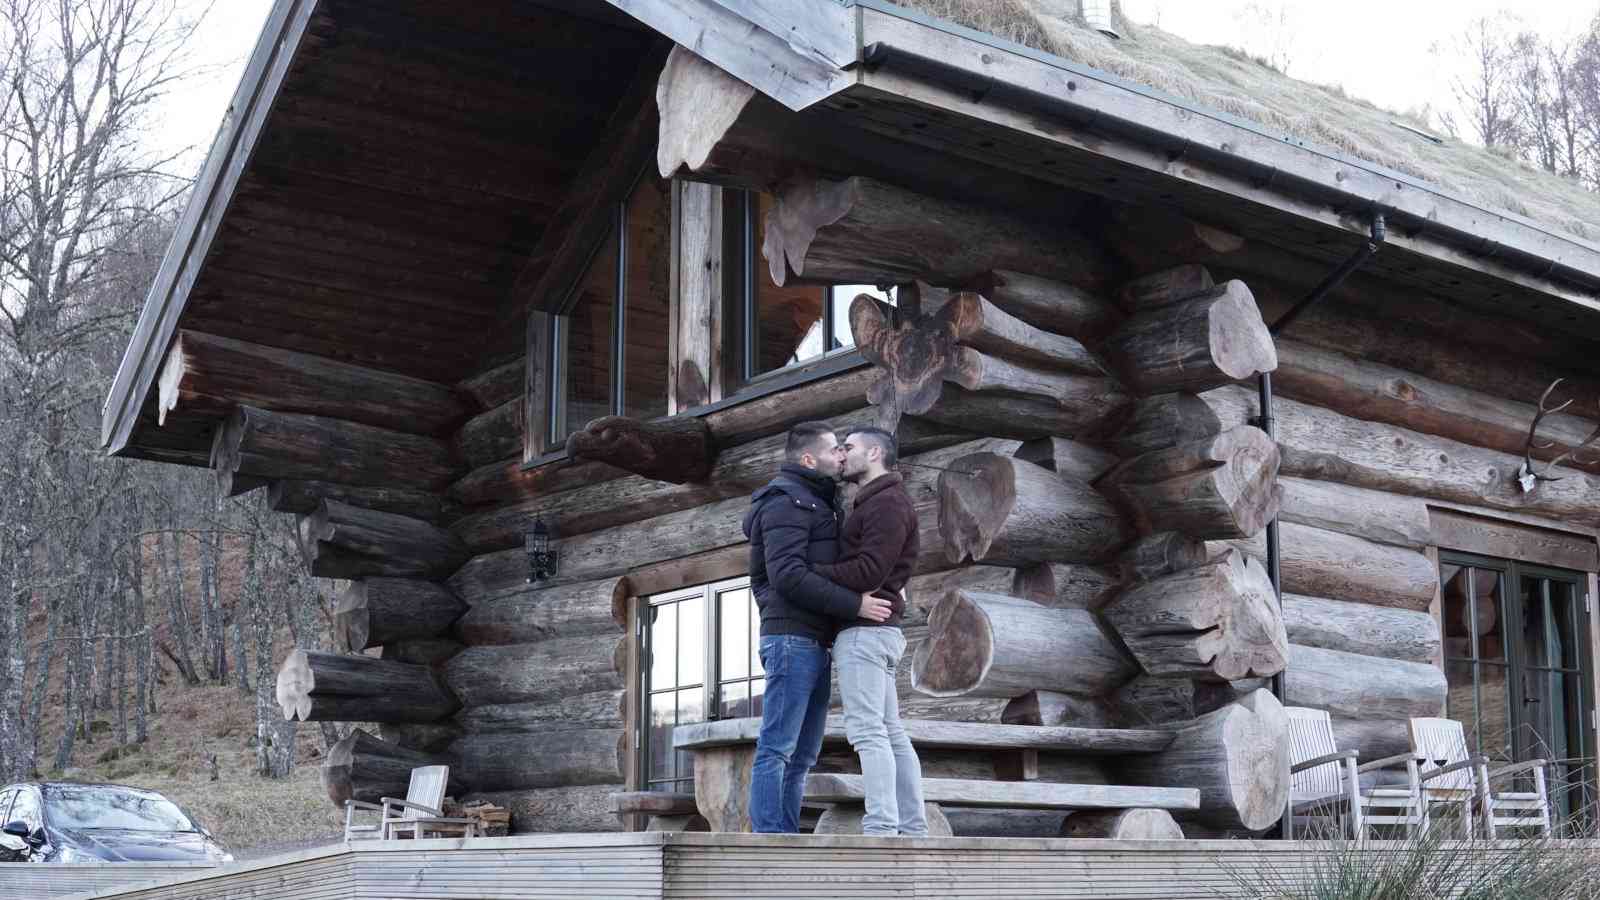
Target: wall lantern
(541, 559)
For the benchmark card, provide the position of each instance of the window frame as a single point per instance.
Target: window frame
(743, 295)
(1511, 574)
(711, 672)
(556, 343)
(544, 375)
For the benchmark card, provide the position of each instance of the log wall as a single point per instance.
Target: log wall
(1108, 495)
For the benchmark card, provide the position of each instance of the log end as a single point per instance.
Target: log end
(1255, 641)
(171, 379)
(698, 104)
(1241, 343)
(295, 683)
(1123, 825)
(676, 451)
(976, 495)
(1254, 735)
(958, 652)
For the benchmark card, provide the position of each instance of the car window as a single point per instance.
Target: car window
(26, 808)
(102, 806)
(5, 804)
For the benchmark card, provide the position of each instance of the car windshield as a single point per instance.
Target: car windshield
(99, 806)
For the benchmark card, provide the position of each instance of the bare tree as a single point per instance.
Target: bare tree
(1484, 91)
(80, 77)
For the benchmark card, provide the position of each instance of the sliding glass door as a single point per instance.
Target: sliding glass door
(1519, 665)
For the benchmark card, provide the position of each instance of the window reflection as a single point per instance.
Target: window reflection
(583, 388)
(685, 631)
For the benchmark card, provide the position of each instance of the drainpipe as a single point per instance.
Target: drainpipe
(1267, 423)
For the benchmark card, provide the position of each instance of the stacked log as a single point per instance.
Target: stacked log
(1165, 610)
(374, 612)
(366, 768)
(318, 687)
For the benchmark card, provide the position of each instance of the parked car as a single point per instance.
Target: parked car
(72, 823)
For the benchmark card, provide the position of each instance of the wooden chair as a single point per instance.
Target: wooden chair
(1452, 774)
(1326, 781)
(418, 815)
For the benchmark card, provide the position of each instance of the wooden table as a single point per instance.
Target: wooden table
(724, 754)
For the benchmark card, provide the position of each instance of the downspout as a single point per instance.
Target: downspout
(1266, 422)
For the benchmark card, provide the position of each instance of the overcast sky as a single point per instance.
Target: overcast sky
(1399, 54)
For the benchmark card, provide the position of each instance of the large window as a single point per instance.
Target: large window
(1517, 659)
(771, 328)
(609, 347)
(699, 659)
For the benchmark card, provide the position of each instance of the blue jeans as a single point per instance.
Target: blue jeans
(793, 716)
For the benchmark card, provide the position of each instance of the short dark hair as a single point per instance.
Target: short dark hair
(885, 441)
(803, 439)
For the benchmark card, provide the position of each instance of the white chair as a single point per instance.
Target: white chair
(1326, 782)
(1452, 774)
(417, 816)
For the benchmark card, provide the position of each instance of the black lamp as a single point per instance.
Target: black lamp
(541, 559)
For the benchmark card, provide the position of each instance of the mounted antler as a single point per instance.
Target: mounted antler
(1526, 476)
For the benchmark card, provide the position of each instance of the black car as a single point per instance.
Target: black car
(91, 823)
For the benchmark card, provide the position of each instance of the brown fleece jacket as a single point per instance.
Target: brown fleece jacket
(878, 545)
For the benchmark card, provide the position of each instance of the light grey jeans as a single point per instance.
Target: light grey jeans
(866, 657)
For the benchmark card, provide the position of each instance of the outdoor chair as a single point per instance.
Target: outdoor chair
(1452, 774)
(417, 816)
(1326, 782)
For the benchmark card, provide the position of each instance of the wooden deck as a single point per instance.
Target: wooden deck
(662, 865)
(27, 881)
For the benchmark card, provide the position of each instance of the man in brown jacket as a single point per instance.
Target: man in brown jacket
(877, 550)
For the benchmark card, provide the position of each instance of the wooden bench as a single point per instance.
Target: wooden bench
(665, 811)
(846, 795)
(724, 753)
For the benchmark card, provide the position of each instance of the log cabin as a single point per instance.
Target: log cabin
(1217, 392)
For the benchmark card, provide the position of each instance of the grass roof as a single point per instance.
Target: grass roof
(1230, 81)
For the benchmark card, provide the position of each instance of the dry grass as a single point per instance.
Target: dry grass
(1230, 81)
(242, 809)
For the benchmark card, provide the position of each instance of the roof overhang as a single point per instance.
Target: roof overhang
(864, 64)
(379, 185)
(940, 84)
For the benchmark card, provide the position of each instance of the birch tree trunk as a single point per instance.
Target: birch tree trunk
(177, 615)
(142, 647)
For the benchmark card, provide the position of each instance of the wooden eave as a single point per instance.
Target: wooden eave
(378, 185)
(956, 91)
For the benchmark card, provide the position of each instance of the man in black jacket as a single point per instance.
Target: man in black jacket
(793, 523)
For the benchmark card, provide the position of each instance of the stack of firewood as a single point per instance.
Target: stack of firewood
(493, 821)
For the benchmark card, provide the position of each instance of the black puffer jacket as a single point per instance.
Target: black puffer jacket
(793, 522)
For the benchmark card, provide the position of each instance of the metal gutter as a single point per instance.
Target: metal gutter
(1414, 206)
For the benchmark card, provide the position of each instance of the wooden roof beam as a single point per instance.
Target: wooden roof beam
(210, 375)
